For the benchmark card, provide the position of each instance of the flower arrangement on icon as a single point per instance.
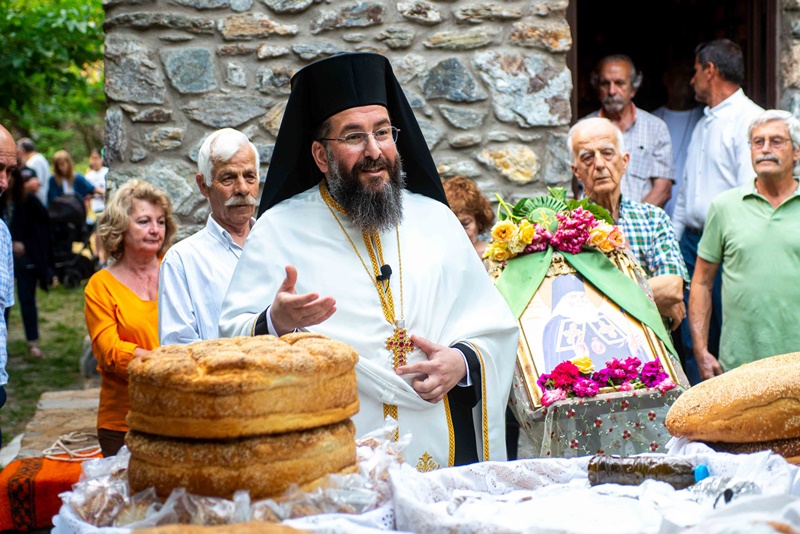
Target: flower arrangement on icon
(535, 223)
(577, 378)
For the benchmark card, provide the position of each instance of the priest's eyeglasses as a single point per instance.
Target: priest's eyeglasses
(358, 140)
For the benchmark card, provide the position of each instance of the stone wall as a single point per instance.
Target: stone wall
(789, 51)
(488, 82)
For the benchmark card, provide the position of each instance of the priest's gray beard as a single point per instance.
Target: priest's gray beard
(368, 210)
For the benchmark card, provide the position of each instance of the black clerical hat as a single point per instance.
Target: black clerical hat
(325, 88)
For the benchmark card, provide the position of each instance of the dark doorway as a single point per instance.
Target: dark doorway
(657, 32)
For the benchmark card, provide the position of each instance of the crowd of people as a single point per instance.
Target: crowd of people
(357, 243)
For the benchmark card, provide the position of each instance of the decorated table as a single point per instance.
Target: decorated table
(745, 493)
(621, 422)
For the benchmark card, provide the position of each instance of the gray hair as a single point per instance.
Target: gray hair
(590, 120)
(220, 147)
(635, 78)
(791, 122)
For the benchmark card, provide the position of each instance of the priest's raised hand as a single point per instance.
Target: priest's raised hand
(290, 311)
(444, 369)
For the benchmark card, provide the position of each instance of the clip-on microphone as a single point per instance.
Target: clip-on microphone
(386, 273)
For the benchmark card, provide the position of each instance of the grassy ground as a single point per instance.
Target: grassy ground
(62, 329)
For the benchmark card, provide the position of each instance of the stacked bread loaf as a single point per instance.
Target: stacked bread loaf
(255, 413)
(751, 408)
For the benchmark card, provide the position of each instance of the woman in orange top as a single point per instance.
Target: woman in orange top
(121, 308)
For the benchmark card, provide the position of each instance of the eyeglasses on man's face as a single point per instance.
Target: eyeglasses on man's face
(358, 140)
(775, 142)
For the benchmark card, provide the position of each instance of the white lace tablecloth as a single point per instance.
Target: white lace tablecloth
(554, 496)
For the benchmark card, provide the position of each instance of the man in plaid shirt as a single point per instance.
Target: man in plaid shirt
(599, 161)
(8, 161)
(649, 175)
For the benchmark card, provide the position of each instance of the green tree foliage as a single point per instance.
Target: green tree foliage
(51, 72)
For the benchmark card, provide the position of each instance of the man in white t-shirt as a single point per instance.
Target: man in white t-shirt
(37, 162)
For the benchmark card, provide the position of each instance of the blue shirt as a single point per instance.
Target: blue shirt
(80, 187)
(6, 295)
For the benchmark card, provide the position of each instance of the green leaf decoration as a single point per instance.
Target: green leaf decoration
(544, 201)
(599, 212)
(523, 207)
(544, 217)
(558, 193)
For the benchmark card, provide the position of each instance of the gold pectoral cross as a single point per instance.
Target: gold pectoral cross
(400, 344)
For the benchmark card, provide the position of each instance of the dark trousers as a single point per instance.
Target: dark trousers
(688, 244)
(111, 441)
(2, 403)
(26, 292)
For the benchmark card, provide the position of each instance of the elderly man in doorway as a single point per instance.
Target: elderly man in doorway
(649, 175)
(599, 161)
(753, 230)
(196, 272)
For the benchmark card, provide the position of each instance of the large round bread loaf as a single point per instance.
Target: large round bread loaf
(264, 465)
(244, 386)
(759, 401)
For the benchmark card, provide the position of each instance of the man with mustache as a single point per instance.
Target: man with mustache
(196, 272)
(753, 230)
(649, 176)
(358, 244)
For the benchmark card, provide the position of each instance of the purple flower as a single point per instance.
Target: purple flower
(652, 374)
(542, 382)
(602, 377)
(626, 386)
(552, 395)
(585, 387)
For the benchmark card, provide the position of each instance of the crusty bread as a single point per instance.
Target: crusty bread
(244, 386)
(264, 465)
(788, 448)
(756, 402)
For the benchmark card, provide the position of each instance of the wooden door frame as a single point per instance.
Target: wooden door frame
(763, 43)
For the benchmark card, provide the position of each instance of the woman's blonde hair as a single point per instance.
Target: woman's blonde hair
(113, 223)
(59, 157)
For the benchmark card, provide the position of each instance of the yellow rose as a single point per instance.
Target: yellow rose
(503, 231)
(526, 231)
(497, 252)
(616, 238)
(516, 245)
(584, 364)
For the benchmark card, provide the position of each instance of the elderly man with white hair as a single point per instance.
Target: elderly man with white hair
(754, 231)
(196, 272)
(599, 161)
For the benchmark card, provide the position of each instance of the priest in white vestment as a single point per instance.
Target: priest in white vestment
(360, 245)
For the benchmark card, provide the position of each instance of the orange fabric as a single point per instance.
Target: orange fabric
(118, 321)
(29, 491)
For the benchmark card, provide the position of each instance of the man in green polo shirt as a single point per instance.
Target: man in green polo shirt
(755, 231)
